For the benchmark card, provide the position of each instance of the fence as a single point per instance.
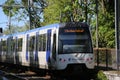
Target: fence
(105, 57)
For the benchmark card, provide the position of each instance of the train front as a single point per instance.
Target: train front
(75, 49)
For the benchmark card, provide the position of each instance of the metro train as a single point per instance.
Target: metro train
(53, 47)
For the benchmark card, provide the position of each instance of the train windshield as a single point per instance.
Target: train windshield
(74, 40)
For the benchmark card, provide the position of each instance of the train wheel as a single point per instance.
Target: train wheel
(41, 72)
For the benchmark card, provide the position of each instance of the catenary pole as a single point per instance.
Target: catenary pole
(96, 23)
(117, 31)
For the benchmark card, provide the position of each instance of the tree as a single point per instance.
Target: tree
(55, 11)
(106, 32)
(15, 29)
(65, 11)
(22, 10)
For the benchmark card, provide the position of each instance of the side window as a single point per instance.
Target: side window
(20, 40)
(1, 45)
(32, 43)
(54, 47)
(4, 45)
(13, 41)
(42, 42)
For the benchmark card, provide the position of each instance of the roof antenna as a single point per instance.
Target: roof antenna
(71, 17)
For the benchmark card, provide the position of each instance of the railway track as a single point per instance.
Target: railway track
(22, 76)
(12, 73)
(15, 73)
(33, 76)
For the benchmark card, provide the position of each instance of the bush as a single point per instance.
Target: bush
(101, 76)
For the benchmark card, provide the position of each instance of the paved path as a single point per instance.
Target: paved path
(112, 75)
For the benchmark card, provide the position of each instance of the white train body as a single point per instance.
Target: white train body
(52, 47)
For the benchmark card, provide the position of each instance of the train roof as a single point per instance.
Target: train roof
(44, 27)
(56, 25)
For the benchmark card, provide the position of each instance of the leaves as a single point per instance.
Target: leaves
(101, 76)
(8, 7)
(22, 11)
(15, 29)
(44, 12)
(106, 26)
(64, 11)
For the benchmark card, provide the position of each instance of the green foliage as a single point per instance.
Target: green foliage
(7, 9)
(65, 11)
(101, 76)
(106, 37)
(55, 11)
(15, 29)
(34, 11)
(106, 26)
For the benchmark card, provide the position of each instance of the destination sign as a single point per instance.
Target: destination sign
(74, 30)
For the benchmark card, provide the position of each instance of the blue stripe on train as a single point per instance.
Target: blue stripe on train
(27, 47)
(48, 45)
(36, 51)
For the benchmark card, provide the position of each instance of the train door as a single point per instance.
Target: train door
(13, 48)
(53, 48)
(42, 53)
(36, 62)
(18, 50)
(33, 50)
(48, 51)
